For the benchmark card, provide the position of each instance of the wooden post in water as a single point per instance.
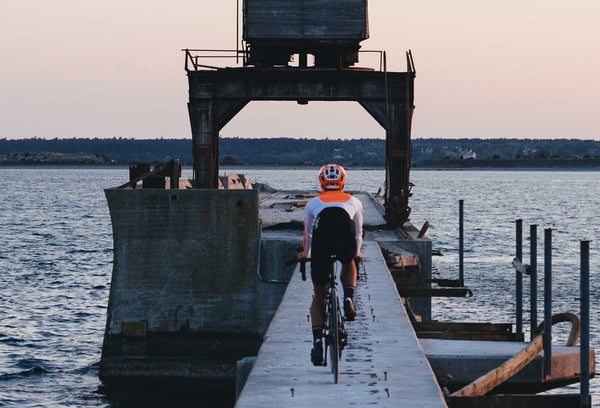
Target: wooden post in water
(533, 277)
(519, 278)
(461, 245)
(584, 345)
(547, 302)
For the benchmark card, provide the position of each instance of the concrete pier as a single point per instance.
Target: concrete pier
(184, 302)
(199, 274)
(383, 364)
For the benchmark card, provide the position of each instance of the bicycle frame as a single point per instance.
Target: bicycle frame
(334, 331)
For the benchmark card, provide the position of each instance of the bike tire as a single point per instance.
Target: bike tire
(341, 331)
(334, 347)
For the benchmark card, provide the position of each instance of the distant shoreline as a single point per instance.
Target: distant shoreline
(45, 159)
(357, 153)
(125, 167)
(517, 164)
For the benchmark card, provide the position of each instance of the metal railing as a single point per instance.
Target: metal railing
(584, 303)
(194, 58)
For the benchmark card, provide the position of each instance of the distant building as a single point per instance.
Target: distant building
(340, 155)
(594, 152)
(468, 154)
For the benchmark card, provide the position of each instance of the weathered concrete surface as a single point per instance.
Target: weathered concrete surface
(468, 360)
(278, 209)
(244, 366)
(381, 341)
(184, 283)
(421, 247)
(278, 249)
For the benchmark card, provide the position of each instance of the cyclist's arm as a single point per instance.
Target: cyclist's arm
(358, 226)
(309, 220)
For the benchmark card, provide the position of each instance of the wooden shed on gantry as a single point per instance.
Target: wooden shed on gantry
(330, 30)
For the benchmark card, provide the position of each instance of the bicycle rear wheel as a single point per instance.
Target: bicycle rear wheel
(334, 346)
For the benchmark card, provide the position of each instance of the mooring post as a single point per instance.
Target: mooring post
(533, 277)
(461, 243)
(547, 302)
(519, 277)
(584, 344)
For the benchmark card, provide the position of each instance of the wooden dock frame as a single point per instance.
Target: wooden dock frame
(216, 96)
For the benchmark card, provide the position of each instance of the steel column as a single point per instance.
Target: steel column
(519, 278)
(461, 243)
(204, 143)
(584, 344)
(547, 302)
(533, 277)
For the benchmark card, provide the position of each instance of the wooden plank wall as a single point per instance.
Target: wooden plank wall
(305, 19)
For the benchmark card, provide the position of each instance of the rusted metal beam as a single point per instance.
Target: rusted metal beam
(453, 292)
(175, 173)
(463, 327)
(143, 172)
(515, 401)
(291, 84)
(470, 336)
(446, 283)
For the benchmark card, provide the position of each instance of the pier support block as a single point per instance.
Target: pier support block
(421, 247)
(184, 299)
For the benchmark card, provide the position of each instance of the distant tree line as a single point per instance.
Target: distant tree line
(288, 151)
(495, 149)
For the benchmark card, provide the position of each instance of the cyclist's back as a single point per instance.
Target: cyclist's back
(333, 226)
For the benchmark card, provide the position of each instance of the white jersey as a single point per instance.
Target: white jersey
(333, 198)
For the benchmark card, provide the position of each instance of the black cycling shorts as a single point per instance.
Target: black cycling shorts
(332, 235)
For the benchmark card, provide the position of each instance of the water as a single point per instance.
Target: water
(56, 263)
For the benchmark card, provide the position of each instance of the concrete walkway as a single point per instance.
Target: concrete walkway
(382, 366)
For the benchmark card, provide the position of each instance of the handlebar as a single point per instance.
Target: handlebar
(303, 262)
(303, 267)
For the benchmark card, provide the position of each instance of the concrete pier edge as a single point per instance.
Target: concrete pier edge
(383, 365)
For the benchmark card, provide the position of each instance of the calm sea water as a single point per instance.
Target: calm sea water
(56, 263)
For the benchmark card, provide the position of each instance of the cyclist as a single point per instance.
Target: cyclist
(332, 225)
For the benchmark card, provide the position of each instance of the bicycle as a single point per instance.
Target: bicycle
(334, 332)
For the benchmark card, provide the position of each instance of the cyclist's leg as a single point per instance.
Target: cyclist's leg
(349, 274)
(349, 283)
(346, 252)
(317, 312)
(317, 307)
(319, 277)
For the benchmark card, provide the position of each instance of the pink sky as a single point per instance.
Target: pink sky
(113, 68)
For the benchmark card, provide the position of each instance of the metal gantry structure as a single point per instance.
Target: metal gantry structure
(217, 95)
(274, 33)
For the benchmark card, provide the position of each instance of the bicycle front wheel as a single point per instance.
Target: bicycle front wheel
(334, 345)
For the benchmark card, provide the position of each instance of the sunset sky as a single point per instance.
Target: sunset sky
(114, 68)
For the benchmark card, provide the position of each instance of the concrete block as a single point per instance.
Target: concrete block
(185, 267)
(422, 248)
(244, 366)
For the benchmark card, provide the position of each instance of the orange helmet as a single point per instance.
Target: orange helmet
(332, 177)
